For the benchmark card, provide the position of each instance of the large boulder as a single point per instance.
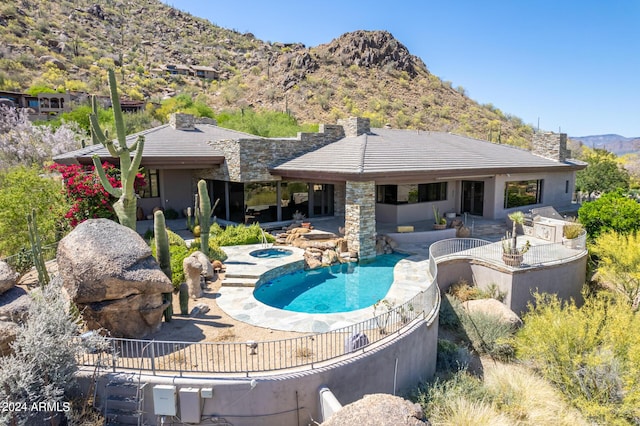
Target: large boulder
(14, 308)
(493, 308)
(8, 277)
(379, 410)
(109, 272)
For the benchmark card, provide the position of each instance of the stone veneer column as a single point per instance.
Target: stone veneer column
(360, 218)
(338, 198)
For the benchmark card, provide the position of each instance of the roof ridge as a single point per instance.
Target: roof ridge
(363, 150)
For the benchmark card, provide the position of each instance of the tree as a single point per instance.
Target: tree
(23, 189)
(23, 143)
(602, 174)
(613, 211)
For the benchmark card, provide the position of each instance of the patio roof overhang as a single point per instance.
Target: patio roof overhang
(412, 176)
(159, 162)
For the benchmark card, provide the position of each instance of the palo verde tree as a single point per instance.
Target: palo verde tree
(125, 206)
(602, 174)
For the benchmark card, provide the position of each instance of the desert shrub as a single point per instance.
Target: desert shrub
(449, 307)
(238, 235)
(592, 354)
(43, 365)
(263, 123)
(178, 250)
(451, 357)
(488, 334)
(619, 264)
(464, 292)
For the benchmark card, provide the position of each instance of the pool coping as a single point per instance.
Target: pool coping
(411, 276)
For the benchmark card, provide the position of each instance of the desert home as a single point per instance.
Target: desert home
(368, 175)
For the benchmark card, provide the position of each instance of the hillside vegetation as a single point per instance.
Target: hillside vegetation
(69, 45)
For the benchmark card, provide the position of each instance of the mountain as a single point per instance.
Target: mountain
(616, 144)
(69, 44)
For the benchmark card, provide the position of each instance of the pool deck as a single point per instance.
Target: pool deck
(411, 276)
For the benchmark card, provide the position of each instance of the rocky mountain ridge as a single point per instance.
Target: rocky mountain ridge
(68, 45)
(616, 144)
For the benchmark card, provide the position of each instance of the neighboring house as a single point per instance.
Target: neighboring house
(41, 105)
(205, 72)
(366, 175)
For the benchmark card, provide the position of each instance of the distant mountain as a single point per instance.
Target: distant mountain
(616, 144)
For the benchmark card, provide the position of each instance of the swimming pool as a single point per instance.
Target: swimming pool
(271, 253)
(338, 288)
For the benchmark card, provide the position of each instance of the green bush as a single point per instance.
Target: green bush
(215, 252)
(238, 235)
(178, 250)
(592, 354)
(611, 212)
(23, 189)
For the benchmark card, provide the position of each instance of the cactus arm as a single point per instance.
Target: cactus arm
(117, 111)
(116, 192)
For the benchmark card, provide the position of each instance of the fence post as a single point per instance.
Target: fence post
(153, 357)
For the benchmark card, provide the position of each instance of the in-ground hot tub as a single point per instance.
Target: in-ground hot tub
(271, 253)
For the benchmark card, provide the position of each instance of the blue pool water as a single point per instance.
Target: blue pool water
(339, 288)
(271, 253)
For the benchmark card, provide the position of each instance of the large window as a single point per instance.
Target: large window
(522, 193)
(411, 193)
(150, 190)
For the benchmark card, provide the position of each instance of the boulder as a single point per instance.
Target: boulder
(379, 410)
(8, 277)
(192, 272)
(207, 267)
(109, 272)
(494, 308)
(14, 308)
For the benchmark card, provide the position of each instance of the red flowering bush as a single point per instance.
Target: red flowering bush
(88, 197)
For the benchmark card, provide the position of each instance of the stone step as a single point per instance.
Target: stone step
(239, 282)
(241, 275)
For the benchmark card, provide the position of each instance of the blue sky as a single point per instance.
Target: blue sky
(572, 65)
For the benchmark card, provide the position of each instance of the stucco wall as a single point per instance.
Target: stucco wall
(292, 399)
(565, 279)
(553, 192)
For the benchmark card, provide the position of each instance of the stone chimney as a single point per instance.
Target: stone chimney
(180, 121)
(550, 145)
(355, 126)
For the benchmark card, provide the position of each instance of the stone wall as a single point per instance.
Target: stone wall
(550, 145)
(355, 126)
(360, 218)
(339, 194)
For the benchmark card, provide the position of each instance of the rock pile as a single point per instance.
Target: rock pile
(385, 244)
(321, 249)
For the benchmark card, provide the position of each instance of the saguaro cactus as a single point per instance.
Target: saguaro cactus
(164, 257)
(205, 216)
(125, 207)
(36, 249)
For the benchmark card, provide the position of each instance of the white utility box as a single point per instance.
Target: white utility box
(190, 405)
(206, 392)
(164, 400)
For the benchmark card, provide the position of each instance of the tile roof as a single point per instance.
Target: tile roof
(395, 153)
(169, 147)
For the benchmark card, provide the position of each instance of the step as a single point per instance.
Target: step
(125, 389)
(239, 282)
(122, 417)
(241, 275)
(124, 403)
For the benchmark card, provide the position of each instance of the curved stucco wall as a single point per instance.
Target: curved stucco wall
(291, 398)
(565, 279)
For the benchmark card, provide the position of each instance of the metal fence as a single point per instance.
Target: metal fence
(537, 255)
(251, 357)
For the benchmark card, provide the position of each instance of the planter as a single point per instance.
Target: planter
(450, 215)
(572, 243)
(306, 225)
(513, 260)
(439, 226)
